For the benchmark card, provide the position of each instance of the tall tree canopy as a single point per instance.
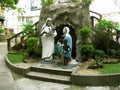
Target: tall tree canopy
(9, 4)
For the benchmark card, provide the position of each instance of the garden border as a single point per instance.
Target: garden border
(16, 69)
(81, 80)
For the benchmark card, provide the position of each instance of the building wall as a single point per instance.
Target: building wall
(14, 20)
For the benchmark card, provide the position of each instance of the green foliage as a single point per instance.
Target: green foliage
(2, 17)
(19, 11)
(106, 26)
(9, 4)
(104, 35)
(87, 2)
(33, 46)
(75, 0)
(28, 28)
(47, 2)
(99, 53)
(85, 32)
(2, 30)
(110, 68)
(86, 51)
(16, 58)
(114, 53)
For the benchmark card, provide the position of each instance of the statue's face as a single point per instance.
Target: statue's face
(49, 23)
(64, 30)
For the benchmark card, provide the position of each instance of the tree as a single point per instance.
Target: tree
(18, 11)
(104, 35)
(9, 4)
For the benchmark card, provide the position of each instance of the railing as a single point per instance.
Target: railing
(96, 16)
(14, 39)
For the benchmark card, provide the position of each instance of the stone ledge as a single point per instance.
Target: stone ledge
(15, 68)
(96, 80)
(81, 80)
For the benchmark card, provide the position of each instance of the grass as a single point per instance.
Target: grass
(16, 58)
(110, 68)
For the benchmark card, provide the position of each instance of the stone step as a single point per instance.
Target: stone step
(49, 77)
(51, 70)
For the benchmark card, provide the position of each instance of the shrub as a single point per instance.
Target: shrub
(28, 28)
(106, 26)
(104, 35)
(86, 51)
(2, 30)
(85, 33)
(114, 53)
(99, 53)
(33, 46)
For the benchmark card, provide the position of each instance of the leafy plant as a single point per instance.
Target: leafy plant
(86, 51)
(47, 2)
(104, 35)
(87, 2)
(85, 33)
(18, 11)
(114, 53)
(105, 25)
(2, 30)
(9, 4)
(33, 46)
(99, 54)
(28, 28)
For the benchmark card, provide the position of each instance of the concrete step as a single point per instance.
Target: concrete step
(49, 77)
(55, 71)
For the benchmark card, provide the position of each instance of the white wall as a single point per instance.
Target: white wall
(12, 19)
(110, 9)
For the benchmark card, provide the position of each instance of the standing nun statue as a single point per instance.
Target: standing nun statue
(47, 39)
(67, 46)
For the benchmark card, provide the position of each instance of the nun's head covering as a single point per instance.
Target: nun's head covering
(48, 19)
(67, 29)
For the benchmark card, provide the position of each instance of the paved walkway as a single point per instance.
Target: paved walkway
(6, 79)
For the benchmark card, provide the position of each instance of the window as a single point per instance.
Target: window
(35, 4)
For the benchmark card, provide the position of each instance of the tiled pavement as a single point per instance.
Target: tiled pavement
(6, 79)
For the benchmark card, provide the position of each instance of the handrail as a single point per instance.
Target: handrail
(14, 37)
(96, 13)
(93, 17)
(92, 20)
